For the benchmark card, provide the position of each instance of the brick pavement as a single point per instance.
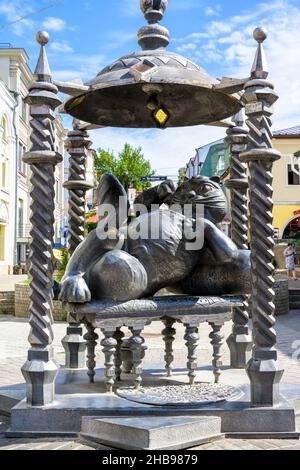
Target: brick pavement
(223, 444)
(13, 347)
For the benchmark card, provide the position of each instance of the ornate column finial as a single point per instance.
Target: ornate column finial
(154, 36)
(263, 369)
(260, 67)
(40, 369)
(42, 70)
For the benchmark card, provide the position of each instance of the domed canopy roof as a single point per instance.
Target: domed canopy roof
(153, 87)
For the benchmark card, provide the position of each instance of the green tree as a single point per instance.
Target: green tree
(129, 166)
(181, 175)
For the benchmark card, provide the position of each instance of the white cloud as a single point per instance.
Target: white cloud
(72, 66)
(11, 12)
(52, 23)
(62, 46)
(228, 47)
(212, 11)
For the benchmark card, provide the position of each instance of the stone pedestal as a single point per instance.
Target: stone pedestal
(265, 377)
(240, 346)
(40, 372)
(75, 348)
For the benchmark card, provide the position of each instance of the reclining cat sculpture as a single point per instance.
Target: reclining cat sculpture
(188, 253)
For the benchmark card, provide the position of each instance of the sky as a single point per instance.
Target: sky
(87, 35)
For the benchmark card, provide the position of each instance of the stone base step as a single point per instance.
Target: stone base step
(295, 305)
(294, 292)
(152, 433)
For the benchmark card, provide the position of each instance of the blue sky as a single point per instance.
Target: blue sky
(86, 35)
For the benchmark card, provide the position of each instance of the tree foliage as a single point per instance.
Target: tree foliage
(128, 166)
(181, 175)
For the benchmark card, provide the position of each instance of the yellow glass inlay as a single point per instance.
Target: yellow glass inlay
(77, 102)
(161, 116)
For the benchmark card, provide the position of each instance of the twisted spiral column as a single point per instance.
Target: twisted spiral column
(264, 370)
(40, 369)
(77, 145)
(240, 341)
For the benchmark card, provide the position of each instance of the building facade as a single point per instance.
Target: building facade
(210, 160)
(15, 79)
(287, 185)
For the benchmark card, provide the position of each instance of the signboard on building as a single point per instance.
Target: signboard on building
(153, 179)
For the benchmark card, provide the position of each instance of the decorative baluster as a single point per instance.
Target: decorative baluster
(264, 370)
(169, 337)
(91, 338)
(240, 341)
(40, 369)
(138, 350)
(77, 145)
(192, 340)
(109, 349)
(118, 336)
(216, 341)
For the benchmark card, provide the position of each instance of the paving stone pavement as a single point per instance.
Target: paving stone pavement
(223, 444)
(13, 348)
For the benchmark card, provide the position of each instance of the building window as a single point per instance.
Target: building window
(4, 127)
(57, 191)
(293, 178)
(3, 175)
(221, 166)
(23, 110)
(21, 218)
(2, 242)
(21, 164)
(4, 156)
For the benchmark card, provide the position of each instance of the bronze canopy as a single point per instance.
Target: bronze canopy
(153, 87)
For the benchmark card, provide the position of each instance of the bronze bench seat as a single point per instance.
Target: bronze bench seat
(110, 317)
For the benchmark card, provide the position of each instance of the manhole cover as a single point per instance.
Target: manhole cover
(181, 395)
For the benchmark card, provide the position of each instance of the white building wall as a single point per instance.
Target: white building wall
(15, 79)
(7, 192)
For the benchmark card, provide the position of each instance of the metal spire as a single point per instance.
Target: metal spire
(260, 67)
(154, 36)
(42, 71)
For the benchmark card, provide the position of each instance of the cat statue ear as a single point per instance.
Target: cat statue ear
(109, 192)
(215, 179)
